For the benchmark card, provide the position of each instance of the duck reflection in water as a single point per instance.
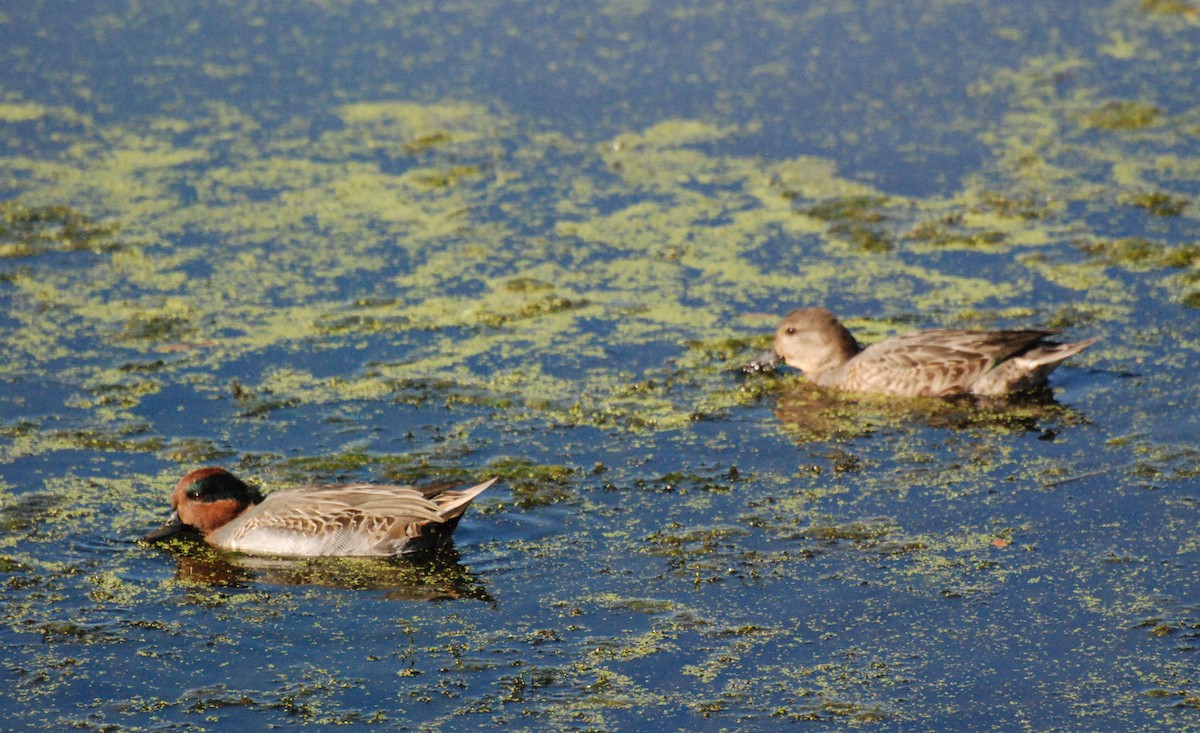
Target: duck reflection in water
(436, 575)
(814, 414)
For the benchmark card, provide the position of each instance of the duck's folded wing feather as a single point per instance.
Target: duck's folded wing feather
(326, 502)
(938, 362)
(333, 520)
(347, 519)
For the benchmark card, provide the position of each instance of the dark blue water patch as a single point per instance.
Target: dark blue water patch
(1183, 189)
(34, 398)
(29, 474)
(641, 358)
(564, 251)
(180, 241)
(1125, 219)
(995, 267)
(54, 259)
(1164, 82)
(182, 409)
(779, 248)
(283, 425)
(895, 78)
(47, 136)
(425, 430)
(290, 430)
(322, 358)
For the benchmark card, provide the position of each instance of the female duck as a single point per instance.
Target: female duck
(926, 363)
(334, 519)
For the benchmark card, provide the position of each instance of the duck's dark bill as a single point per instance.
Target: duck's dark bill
(171, 528)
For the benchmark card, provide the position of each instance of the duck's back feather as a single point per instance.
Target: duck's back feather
(937, 362)
(348, 519)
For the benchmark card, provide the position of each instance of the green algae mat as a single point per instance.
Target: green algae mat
(350, 241)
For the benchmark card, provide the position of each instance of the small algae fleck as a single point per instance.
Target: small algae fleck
(1171, 7)
(1158, 203)
(26, 231)
(854, 208)
(22, 111)
(535, 485)
(419, 127)
(1143, 254)
(1122, 115)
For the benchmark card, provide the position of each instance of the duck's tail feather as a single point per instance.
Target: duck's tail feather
(1051, 353)
(453, 503)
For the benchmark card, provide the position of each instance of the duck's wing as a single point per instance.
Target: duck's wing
(931, 363)
(347, 519)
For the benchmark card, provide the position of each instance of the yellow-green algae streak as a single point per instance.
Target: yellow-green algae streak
(508, 271)
(277, 228)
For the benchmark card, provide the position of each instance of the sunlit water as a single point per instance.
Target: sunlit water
(331, 241)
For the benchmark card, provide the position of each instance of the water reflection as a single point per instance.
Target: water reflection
(434, 576)
(813, 414)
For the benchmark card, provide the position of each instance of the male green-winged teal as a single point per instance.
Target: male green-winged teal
(926, 363)
(333, 519)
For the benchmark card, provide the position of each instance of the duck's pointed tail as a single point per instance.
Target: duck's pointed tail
(1048, 354)
(1028, 370)
(452, 503)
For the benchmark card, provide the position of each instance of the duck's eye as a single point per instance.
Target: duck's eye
(790, 331)
(192, 493)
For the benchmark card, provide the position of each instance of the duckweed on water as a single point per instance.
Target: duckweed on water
(865, 209)
(1158, 203)
(27, 231)
(245, 318)
(1177, 7)
(390, 289)
(535, 485)
(1142, 254)
(1122, 115)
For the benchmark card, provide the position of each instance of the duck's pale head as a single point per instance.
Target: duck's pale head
(814, 341)
(206, 500)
